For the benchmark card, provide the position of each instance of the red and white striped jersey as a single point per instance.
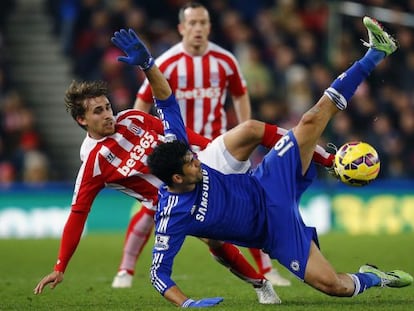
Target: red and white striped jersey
(118, 161)
(200, 84)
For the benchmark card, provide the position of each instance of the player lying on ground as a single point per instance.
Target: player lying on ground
(114, 154)
(260, 209)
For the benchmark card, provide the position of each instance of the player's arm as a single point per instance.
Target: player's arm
(242, 107)
(239, 93)
(138, 54)
(165, 249)
(193, 138)
(142, 105)
(70, 239)
(85, 192)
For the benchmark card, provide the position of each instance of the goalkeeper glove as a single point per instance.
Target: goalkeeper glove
(202, 303)
(136, 51)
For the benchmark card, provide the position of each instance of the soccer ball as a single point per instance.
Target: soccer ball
(356, 163)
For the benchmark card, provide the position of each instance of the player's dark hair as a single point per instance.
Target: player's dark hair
(192, 5)
(168, 159)
(78, 92)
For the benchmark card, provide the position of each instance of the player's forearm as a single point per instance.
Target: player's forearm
(142, 105)
(175, 295)
(70, 239)
(170, 114)
(159, 85)
(242, 107)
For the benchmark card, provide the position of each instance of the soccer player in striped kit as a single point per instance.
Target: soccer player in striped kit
(200, 74)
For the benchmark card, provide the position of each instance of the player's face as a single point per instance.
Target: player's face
(191, 169)
(99, 117)
(195, 30)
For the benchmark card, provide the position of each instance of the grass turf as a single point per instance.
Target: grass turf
(87, 284)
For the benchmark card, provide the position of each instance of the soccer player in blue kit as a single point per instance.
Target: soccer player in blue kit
(260, 209)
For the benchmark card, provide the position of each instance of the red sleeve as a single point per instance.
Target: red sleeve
(154, 123)
(197, 139)
(145, 93)
(70, 238)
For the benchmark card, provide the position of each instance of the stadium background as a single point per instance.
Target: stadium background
(289, 52)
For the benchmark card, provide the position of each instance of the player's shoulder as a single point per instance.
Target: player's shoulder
(219, 50)
(86, 148)
(172, 53)
(131, 114)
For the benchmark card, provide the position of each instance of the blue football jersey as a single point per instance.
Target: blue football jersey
(259, 210)
(203, 213)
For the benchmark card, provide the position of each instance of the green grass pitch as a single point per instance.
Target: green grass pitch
(87, 284)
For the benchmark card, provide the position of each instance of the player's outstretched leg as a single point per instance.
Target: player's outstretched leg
(319, 272)
(395, 278)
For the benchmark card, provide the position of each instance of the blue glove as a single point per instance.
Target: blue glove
(136, 51)
(202, 303)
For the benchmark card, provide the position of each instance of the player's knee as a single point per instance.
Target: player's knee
(252, 128)
(307, 119)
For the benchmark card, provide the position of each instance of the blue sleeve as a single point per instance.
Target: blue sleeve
(169, 112)
(165, 249)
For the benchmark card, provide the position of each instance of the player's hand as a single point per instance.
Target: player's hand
(54, 278)
(136, 51)
(202, 303)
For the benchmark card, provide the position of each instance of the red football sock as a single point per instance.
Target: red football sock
(271, 135)
(262, 260)
(138, 232)
(231, 257)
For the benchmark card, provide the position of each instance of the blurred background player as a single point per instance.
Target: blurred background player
(200, 74)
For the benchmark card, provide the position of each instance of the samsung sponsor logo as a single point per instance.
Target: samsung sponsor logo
(203, 208)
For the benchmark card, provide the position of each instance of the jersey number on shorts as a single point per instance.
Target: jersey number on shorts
(283, 145)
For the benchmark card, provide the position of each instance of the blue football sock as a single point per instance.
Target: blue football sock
(345, 85)
(364, 281)
(371, 59)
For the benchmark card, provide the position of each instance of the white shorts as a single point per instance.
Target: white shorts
(216, 156)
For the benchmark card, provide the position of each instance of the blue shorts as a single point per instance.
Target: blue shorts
(280, 174)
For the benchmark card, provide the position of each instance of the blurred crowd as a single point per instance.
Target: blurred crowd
(22, 156)
(289, 52)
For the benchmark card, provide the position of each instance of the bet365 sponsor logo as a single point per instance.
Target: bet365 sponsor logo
(138, 153)
(198, 93)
